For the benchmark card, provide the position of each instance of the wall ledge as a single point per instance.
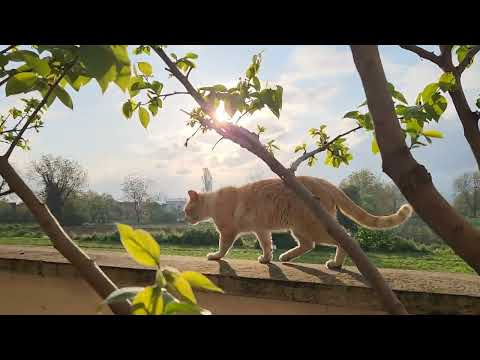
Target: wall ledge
(422, 292)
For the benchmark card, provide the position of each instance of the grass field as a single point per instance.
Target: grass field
(442, 259)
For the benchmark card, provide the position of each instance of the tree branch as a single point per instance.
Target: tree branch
(250, 141)
(308, 155)
(37, 109)
(423, 53)
(468, 58)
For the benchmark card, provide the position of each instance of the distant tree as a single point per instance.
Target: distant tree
(100, 206)
(394, 197)
(135, 189)
(76, 210)
(467, 193)
(58, 179)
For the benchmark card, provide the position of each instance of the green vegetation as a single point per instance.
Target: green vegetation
(383, 248)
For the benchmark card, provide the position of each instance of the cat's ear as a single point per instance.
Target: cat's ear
(193, 195)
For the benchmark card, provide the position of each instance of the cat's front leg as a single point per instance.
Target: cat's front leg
(225, 242)
(265, 240)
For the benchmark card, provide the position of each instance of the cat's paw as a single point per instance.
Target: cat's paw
(332, 265)
(262, 259)
(213, 256)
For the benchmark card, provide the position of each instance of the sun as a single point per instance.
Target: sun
(220, 114)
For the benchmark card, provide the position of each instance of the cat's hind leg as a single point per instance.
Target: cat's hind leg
(225, 242)
(305, 244)
(265, 240)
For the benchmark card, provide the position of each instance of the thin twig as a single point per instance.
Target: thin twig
(7, 49)
(423, 53)
(37, 109)
(191, 136)
(174, 93)
(213, 148)
(7, 192)
(468, 58)
(308, 155)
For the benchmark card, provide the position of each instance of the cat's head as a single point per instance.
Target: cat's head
(194, 210)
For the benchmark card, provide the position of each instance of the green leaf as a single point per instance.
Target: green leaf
(436, 106)
(478, 103)
(123, 78)
(351, 115)
(184, 308)
(144, 116)
(121, 295)
(153, 107)
(109, 76)
(63, 96)
(197, 280)
(145, 68)
(3, 60)
(191, 55)
(183, 287)
(141, 246)
(428, 92)
(120, 52)
(399, 96)
(99, 62)
(127, 109)
(133, 89)
(300, 148)
(256, 83)
(462, 52)
(148, 302)
(433, 133)
(375, 148)
(446, 81)
(157, 87)
(20, 83)
(396, 94)
(278, 96)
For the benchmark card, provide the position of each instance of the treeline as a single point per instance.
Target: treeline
(95, 208)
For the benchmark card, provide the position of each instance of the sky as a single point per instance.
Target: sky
(320, 85)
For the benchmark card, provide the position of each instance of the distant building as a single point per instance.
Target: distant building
(175, 204)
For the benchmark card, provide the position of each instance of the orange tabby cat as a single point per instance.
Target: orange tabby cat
(268, 205)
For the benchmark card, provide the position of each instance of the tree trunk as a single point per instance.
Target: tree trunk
(86, 266)
(413, 179)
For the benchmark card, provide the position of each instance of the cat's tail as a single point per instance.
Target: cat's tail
(367, 220)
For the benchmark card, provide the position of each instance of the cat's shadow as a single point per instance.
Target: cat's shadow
(277, 273)
(225, 268)
(274, 270)
(324, 276)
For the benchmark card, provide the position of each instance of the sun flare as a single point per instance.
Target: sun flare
(220, 114)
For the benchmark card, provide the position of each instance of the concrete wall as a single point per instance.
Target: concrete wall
(30, 294)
